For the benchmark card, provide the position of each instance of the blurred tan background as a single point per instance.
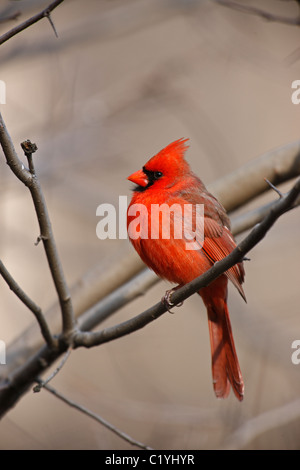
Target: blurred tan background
(125, 78)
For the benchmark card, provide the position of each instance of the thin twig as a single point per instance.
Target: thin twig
(34, 19)
(96, 417)
(274, 188)
(243, 222)
(51, 23)
(44, 383)
(35, 309)
(29, 148)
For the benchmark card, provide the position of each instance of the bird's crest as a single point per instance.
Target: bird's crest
(171, 158)
(175, 149)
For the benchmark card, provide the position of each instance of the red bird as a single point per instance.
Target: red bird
(167, 179)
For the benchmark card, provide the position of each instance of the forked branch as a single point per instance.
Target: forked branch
(29, 178)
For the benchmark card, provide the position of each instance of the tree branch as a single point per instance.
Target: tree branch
(246, 221)
(247, 182)
(259, 12)
(145, 279)
(129, 291)
(34, 19)
(16, 383)
(30, 180)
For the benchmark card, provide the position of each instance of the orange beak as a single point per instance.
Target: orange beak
(139, 178)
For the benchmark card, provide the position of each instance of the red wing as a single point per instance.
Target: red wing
(218, 243)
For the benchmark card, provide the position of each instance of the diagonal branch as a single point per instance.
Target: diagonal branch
(105, 288)
(246, 221)
(95, 416)
(90, 339)
(259, 12)
(14, 385)
(35, 309)
(34, 19)
(145, 279)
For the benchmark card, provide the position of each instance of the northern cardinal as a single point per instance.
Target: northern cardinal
(167, 179)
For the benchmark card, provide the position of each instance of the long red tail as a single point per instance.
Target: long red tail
(225, 365)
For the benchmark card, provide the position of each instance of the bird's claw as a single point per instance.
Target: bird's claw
(166, 300)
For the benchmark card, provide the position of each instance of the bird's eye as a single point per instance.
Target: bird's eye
(152, 175)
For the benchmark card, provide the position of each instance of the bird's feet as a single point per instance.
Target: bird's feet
(166, 299)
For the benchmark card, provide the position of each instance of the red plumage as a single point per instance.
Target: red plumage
(167, 179)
